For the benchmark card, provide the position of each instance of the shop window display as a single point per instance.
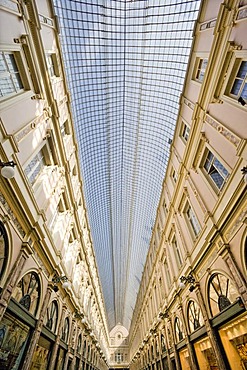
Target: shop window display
(184, 359)
(234, 339)
(41, 354)
(205, 355)
(13, 339)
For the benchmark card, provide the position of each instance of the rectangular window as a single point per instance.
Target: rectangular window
(192, 220)
(185, 131)
(174, 176)
(118, 357)
(201, 68)
(52, 65)
(167, 274)
(239, 84)
(215, 170)
(35, 167)
(10, 79)
(176, 252)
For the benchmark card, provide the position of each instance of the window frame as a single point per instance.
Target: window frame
(52, 316)
(237, 60)
(191, 228)
(176, 251)
(230, 71)
(199, 59)
(206, 174)
(45, 157)
(52, 64)
(27, 289)
(184, 131)
(21, 63)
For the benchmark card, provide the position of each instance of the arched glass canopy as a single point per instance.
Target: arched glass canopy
(125, 63)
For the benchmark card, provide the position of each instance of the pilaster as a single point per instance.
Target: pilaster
(36, 334)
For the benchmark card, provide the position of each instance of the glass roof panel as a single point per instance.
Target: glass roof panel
(125, 62)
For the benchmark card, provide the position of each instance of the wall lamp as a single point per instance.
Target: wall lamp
(78, 315)
(187, 279)
(8, 170)
(244, 172)
(57, 279)
(163, 315)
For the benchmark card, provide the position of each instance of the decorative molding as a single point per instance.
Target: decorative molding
(242, 13)
(207, 263)
(197, 195)
(189, 103)
(199, 150)
(233, 139)
(46, 20)
(208, 24)
(234, 46)
(11, 215)
(240, 219)
(19, 135)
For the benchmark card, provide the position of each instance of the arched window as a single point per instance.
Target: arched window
(52, 316)
(4, 249)
(65, 330)
(221, 293)
(245, 252)
(27, 292)
(84, 347)
(169, 337)
(163, 343)
(178, 329)
(79, 344)
(194, 316)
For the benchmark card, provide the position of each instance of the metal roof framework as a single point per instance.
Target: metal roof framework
(125, 63)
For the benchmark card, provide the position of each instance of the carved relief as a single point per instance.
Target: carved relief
(233, 139)
(43, 119)
(11, 215)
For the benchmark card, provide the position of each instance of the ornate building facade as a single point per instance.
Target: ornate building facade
(190, 311)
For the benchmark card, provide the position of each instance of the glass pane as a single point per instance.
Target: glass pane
(13, 339)
(220, 168)
(6, 86)
(242, 70)
(217, 178)
(244, 91)
(11, 62)
(125, 75)
(236, 87)
(17, 81)
(2, 63)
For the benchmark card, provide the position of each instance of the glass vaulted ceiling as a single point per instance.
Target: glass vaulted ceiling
(125, 63)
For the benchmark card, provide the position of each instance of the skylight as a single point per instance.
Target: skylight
(125, 63)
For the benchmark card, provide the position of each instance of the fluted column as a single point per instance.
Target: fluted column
(73, 344)
(14, 277)
(56, 344)
(221, 361)
(69, 345)
(167, 351)
(177, 359)
(36, 334)
(192, 357)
